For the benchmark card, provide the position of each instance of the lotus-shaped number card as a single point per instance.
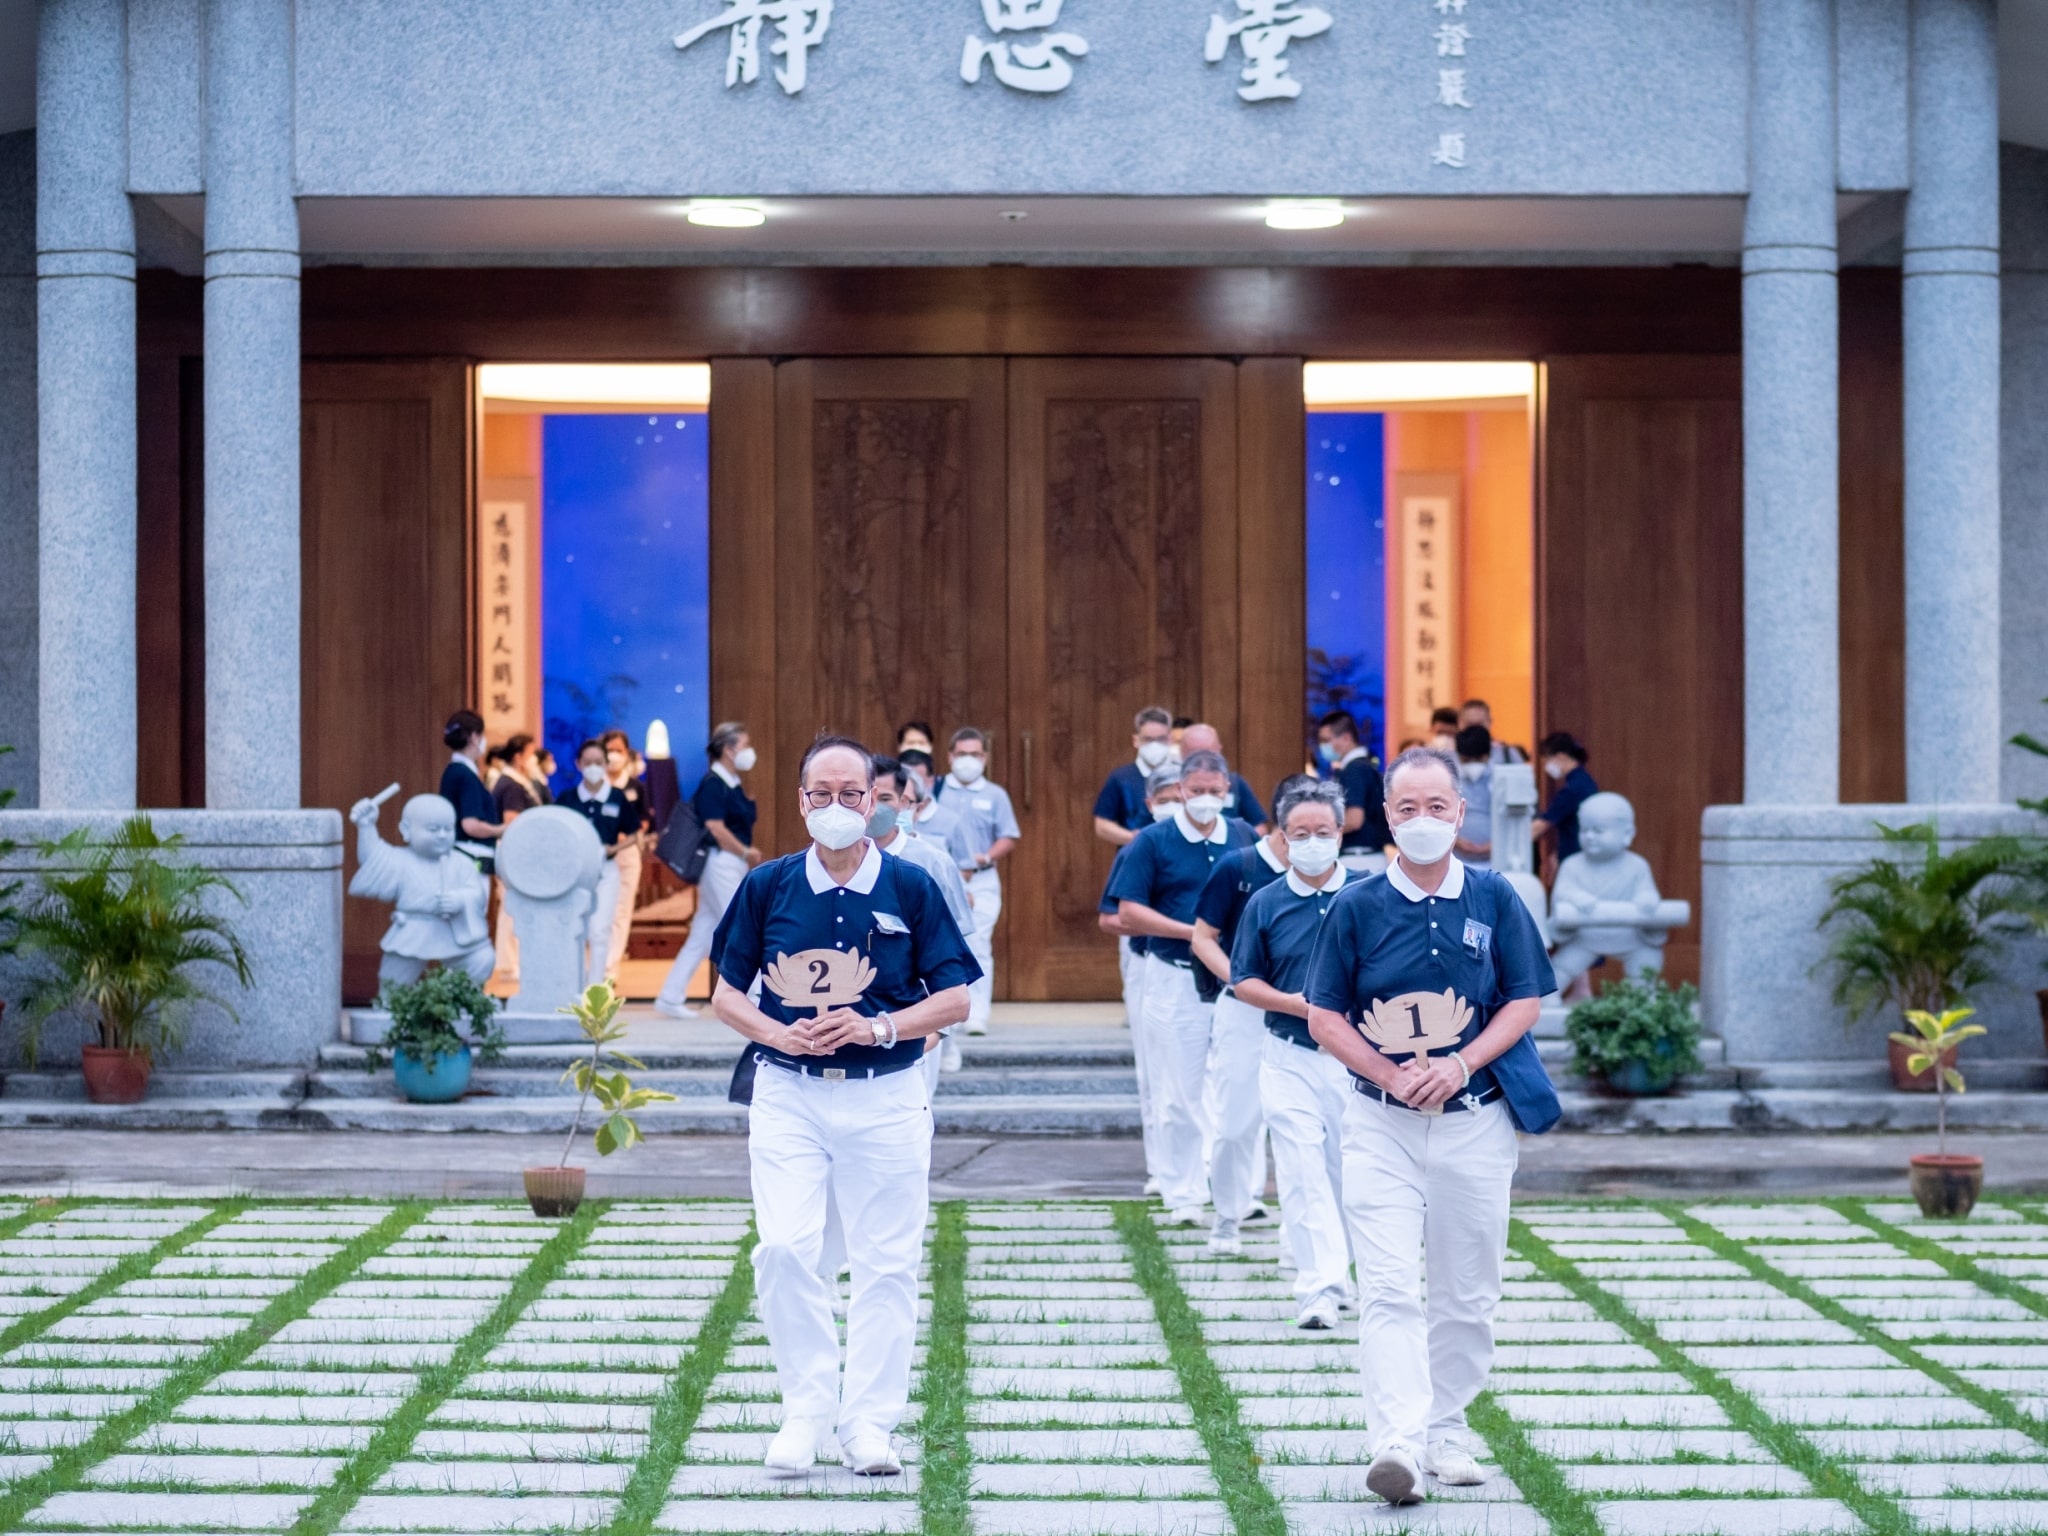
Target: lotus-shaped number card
(820, 978)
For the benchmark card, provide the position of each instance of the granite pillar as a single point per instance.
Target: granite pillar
(1952, 407)
(2023, 463)
(1790, 389)
(85, 399)
(252, 410)
(18, 464)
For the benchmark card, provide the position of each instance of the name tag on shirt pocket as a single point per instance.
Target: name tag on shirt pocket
(1478, 938)
(888, 922)
(984, 804)
(611, 810)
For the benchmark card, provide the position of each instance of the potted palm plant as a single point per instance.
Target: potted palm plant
(442, 1026)
(1943, 1185)
(558, 1190)
(1639, 1036)
(1921, 929)
(119, 939)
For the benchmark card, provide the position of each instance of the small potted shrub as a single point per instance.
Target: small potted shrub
(1921, 929)
(1944, 1185)
(1639, 1036)
(118, 941)
(442, 1025)
(558, 1190)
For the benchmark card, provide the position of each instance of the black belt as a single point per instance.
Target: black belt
(866, 1069)
(1186, 965)
(1454, 1102)
(1289, 1036)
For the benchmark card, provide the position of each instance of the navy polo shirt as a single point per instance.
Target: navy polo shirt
(1242, 803)
(612, 815)
(1166, 868)
(1385, 938)
(716, 800)
(1276, 937)
(1232, 884)
(890, 911)
(463, 788)
(1573, 791)
(1122, 799)
(1364, 791)
(1110, 906)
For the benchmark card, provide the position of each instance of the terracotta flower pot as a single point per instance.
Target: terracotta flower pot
(1907, 1082)
(115, 1076)
(554, 1191)
(1947, 1184)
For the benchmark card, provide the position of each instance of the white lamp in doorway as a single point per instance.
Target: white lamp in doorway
(657, 739)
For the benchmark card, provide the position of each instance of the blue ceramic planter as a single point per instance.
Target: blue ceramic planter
(434, 1081)
(1641, 1079)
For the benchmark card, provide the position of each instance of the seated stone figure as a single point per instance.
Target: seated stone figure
(1605, 901)
(440, 895)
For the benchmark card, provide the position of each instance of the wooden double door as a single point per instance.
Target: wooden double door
(1038, 547)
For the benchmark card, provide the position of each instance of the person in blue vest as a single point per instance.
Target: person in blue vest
(839, 1114)
(1303, 1089)
(1425, 985)
(727, 813)
(1162, 876)
(478, 822)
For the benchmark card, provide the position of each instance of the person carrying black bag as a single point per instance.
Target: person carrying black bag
(727, 815)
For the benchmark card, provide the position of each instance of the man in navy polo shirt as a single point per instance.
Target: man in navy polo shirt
(1162, 791)
(1303, 1090)
(1425, 984)
(1123, 807)
(1242, 801)
(837, 1110)
(1162, 875)
(1365, 810)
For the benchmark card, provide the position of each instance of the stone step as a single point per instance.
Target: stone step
(992, 1051)
(983, 1114)
(68, 1085)
(521, 1083)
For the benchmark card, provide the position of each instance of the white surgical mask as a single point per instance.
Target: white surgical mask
(593, 774)
(882, 823)
(1152, 753)
(836, 826)
(615, 761)
(744, 759)
(1471, 772)
(1555, 769)
(1425, 839)
(1312, 856)
(1203, 809)
(1164, 810)
(967, 769)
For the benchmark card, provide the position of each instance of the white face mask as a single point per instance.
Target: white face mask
(1312, 856)
(615, 761)
(1556, 768)
(1424, 839)
(593, 774)
(744, 759)
(836, 826)
(1203, 809)
(1163, 811)
(967, 769)
(1152, 753)
(1471, 773)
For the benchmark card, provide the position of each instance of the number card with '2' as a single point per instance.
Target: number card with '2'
(820, 978)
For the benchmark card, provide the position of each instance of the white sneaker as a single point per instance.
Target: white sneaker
(669, 1010)
(794, 1450)
(1225, 1243)
(1152, 1185)
(977, 1026)
(1319, 1316)
(950, 1059)
(1449, 1462)
(1186, 1216)
(868, 1453)
(1394, 1476)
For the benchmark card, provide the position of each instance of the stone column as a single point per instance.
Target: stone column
(252, 410)
(1952, 411)
(1790, 392)
(85, 403)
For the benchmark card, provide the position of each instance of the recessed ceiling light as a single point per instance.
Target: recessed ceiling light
(726, 215)
(1303, 215)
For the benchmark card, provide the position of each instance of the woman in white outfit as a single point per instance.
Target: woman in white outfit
(728, 816)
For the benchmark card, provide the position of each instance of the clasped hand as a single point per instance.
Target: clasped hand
(823, 1035)
(1426, 1083)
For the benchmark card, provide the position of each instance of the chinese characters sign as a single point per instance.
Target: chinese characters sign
(508, 681)
(800, 26)
(1452, 34)
(1039, 64)
(1262, 34)
(1424, 617)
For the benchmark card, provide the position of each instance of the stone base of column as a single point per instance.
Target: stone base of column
(1764, 883)
(288, 865)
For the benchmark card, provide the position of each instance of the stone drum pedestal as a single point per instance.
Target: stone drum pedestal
(550, 861)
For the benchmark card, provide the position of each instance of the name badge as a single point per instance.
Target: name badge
(611, 810)
(1478, 938)
(984, 805)
(889, 922)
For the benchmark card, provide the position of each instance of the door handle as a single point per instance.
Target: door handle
(1025, 737)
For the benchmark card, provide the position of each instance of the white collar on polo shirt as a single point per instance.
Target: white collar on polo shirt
(1351, 757)
(1219, 833)
(1331, 887)
(1452, 888)
(726, 773)
(583, 792)
(1273, 860)
(467, 761)
(863, 880)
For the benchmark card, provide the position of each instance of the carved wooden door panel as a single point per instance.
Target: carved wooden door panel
(1123, 583)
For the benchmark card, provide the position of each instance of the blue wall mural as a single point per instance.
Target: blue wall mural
(625, 584)
(1347, 569)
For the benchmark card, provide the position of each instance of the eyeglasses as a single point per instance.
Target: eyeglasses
(818, 799)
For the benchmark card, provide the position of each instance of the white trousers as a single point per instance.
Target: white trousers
(986, 887)
(1305, 1094)
(722, 875)
(597, 938)
(1133, 968)
(1425, 1194)
(628, 861)
(1177, 1024)
(866, 1144)
(1230, 1103)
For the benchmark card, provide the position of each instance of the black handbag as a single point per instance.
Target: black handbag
(684, 845)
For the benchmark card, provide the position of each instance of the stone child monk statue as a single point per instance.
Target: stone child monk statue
(440, 894)
(1606, 902)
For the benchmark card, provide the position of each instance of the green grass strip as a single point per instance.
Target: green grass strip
(1993, 1403)
(1232, 1457)
(134, 1267)
(437, 1383)
(945, 1467)
(675, 1416)
(1566, 1510)
(227, 1354)
(1830, 1479)
(1959, 1265)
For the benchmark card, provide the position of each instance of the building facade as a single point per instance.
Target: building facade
(1780, 265)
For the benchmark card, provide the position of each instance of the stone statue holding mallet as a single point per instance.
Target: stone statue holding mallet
(440, 895)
